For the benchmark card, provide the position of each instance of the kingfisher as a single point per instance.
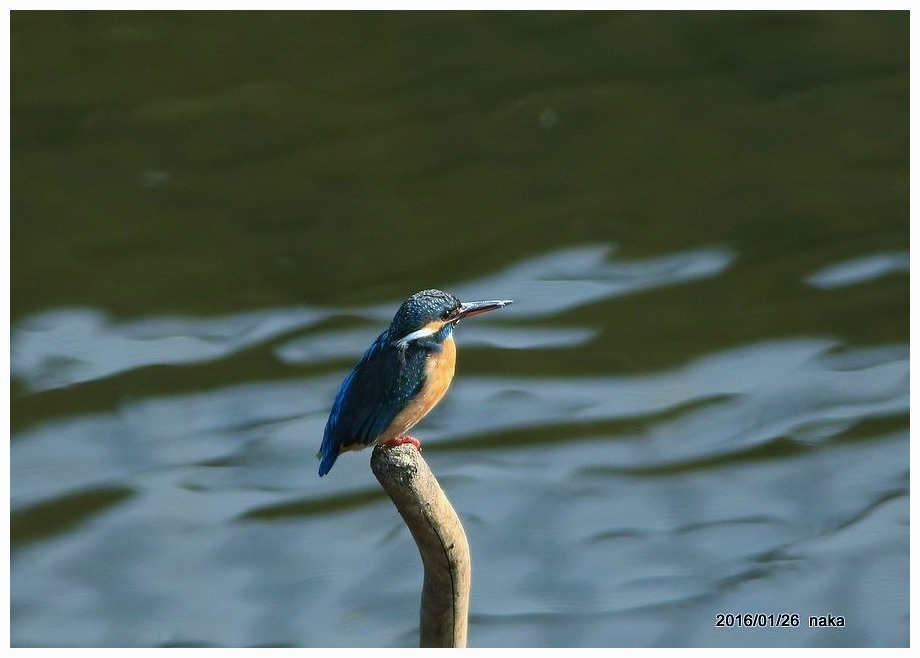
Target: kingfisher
(401, 377)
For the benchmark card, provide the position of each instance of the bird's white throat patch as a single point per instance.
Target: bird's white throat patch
(424, 332)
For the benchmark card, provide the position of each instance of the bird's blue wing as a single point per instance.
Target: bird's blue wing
(371, 396)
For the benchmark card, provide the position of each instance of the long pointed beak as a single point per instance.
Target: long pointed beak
(469, 309)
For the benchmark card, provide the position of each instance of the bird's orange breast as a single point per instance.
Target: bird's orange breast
(439, 371)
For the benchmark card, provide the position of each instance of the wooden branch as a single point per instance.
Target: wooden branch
(441, 542)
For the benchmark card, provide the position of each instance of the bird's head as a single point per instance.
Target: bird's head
(434, 313)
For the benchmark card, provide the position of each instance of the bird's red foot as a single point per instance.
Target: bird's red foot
(400, 440)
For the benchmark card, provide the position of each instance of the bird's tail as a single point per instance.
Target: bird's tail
(328, 453)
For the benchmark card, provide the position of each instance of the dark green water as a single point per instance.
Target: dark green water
(698, 404)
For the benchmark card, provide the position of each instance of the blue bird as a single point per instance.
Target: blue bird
(401, 377)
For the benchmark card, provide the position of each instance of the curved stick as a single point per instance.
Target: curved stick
(441, 542)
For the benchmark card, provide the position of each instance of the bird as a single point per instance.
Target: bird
(401, 377)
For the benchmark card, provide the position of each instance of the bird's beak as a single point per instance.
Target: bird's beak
(469, 309)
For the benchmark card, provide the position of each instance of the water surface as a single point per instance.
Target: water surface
(697, 405)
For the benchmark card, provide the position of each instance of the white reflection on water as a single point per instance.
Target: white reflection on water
(68, 346)
(573, 535)
(737, 399)
(720, 404)
(593, 513)
(860, 270)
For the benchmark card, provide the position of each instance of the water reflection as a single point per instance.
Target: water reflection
(602, 509)
(67, 346)
(860, 270)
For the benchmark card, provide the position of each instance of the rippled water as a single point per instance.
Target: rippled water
(679, 417)
(760, 474)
